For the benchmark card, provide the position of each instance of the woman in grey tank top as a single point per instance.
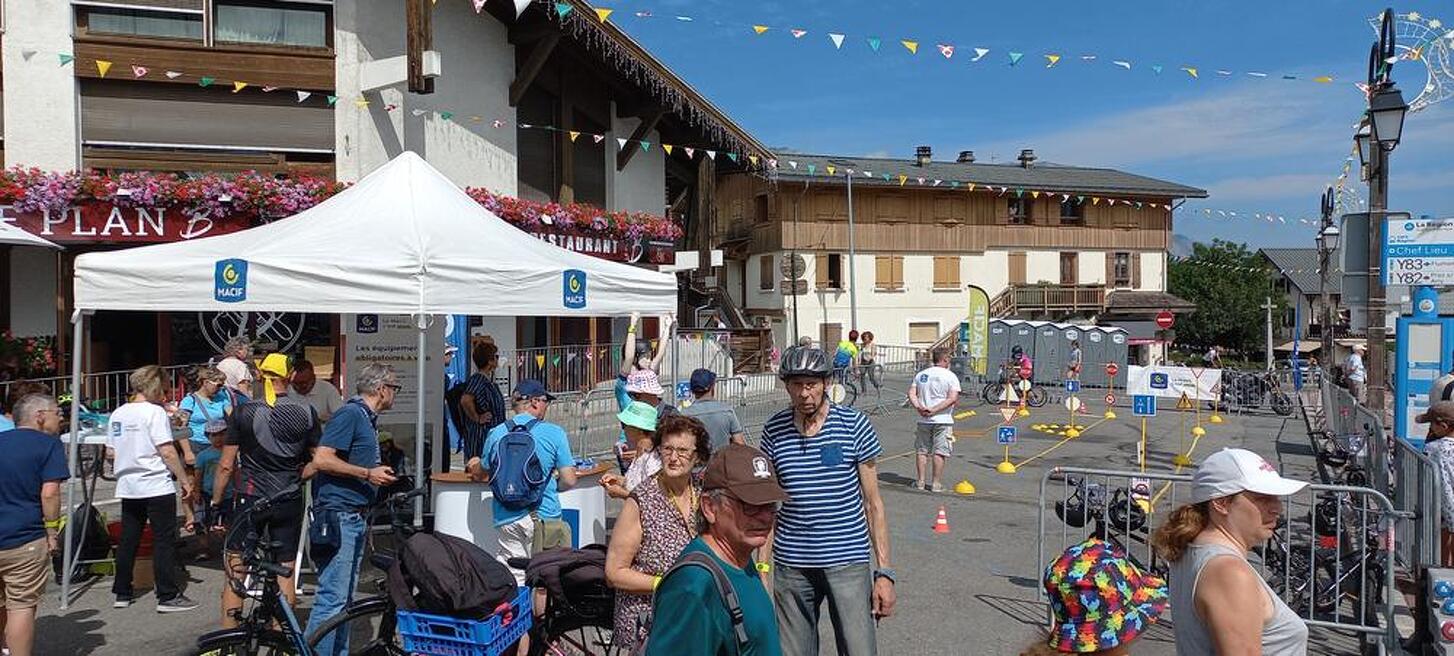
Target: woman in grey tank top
(1220, 605)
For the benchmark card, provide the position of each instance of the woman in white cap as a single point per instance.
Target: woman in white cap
(1236, 500)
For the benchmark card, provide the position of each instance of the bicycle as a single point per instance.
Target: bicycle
(370, 622)
(579, 623)
(1116, 520)
(1338, 458)
(1315, 577)
(270, 628)
(1252, 390)
(844, 376)
(993, 392)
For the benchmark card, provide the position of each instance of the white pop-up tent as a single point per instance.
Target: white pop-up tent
(13, 236)
(404, 240)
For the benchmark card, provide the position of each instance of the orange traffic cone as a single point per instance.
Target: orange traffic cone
(941, 523)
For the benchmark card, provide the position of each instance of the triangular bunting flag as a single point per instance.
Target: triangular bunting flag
(969, 185)
(138, 71)
(1019, 193)
(812, 168)
(1015, 57)
(691, 152)
(361, 103)
(753, 160)
(172, 75)
(732, 156)
(206, 81)
(27, 54)
(573, 135)
(830, 169)
(303, 95)
(1095, 200)
(66, 59)
(712, 154)
(1123, 64)
(946, 50)
(797, 33)
(620, 143)
(1052, 60)
(1323, 79)
(598, 138)
(1156, 69)
(333, 100)
(238, 86)
(793, 163)
(1065, 198)
(979, 53)
(886, 177)
(603, 14)
(416, 112)
(1079, 200)
(269, 89)
(903, 179)
(874, 42)
(645, 146)
(1190, 71)
(837, 40)
(479, 5)
(667, 148)
(520, 6)
(759, 28)
(102, 67)
(562, 8)
(921, 182)
(1035, 195)
(540, 360)
(937, 182)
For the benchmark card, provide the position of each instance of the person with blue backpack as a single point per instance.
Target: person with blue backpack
(528, 461)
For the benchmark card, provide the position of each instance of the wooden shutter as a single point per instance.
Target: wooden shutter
(1069, 268)
(883, 272)
(1110, 269)
(766, 273)
(923, 332)
(1136, 271)
(1017, 268)
(898, 272)
(946, 272)
(820, 268)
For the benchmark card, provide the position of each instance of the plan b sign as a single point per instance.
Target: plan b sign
(1418, 251)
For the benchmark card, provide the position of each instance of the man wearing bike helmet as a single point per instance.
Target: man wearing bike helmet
(832, 528)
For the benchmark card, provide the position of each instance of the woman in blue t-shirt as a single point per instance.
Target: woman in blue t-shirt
(209, 402)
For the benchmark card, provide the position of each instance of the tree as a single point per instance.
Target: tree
(1228, 283)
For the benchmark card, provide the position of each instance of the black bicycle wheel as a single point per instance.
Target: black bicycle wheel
(1036, 397)
(239, 643)
(588, 640)
(370, 627)
(1281, 403)
(993, 393)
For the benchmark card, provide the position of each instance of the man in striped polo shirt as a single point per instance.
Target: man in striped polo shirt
(832, 528)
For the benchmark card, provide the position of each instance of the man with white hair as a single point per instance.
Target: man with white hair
(30, 514)
(1355, 373)
(234, 365)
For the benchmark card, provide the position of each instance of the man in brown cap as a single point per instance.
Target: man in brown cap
(1440, 448)
(740, 500)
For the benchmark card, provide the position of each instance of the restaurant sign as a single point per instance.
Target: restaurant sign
(632, 251)
(96, 223)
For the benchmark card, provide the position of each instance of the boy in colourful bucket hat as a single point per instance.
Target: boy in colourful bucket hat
(1101, 601)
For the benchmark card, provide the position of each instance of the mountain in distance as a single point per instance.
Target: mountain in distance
(1181, 245)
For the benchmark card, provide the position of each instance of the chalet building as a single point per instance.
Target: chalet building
(1043, 240)
(1297, 278)
(529, 107)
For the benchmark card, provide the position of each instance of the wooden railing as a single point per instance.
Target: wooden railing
(1048, 299)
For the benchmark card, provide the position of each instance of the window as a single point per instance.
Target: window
(765, 273)
(759, 209)
(888, 272)
(829, 270)
(1120, 269)
(1020, 211)
(1069, 269)
(139, 22)
(946, 272)
(273, 23)
(923, 333)
(1072, 213)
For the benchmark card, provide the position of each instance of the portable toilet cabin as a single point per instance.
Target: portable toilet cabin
(1022, 334)
(1070, 333)
(1117, 349)
(1094, 341)
(999, 346)
(1049, 357)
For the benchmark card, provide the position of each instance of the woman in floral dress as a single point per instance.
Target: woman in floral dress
(656, 522)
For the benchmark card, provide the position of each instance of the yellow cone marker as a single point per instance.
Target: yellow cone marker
(964, 487)
(1005, 467)
(1072, 433)
(1181, 460)
(1024, 412)
(1215, 419)
(1198, 431)
(1110, 414)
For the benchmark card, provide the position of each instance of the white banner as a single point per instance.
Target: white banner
(392, 339)
(1165, 382)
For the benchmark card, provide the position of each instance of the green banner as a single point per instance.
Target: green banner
(979, 330)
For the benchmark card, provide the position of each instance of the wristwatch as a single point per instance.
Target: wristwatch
(887, 573)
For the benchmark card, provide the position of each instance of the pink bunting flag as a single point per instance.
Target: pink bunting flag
(946, 50)
(138, 71)
(479, 5)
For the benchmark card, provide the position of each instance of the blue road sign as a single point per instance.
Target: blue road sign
(684, 390)
(1160, 380)
(1072, 386)
(1006, 435)
(1143, 405)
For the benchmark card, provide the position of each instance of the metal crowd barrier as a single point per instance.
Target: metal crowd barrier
(1329, 559)
(103, 390)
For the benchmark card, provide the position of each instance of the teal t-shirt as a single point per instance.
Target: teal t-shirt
(689, 616)
(207, 461)
(216, 410)
(553, 449)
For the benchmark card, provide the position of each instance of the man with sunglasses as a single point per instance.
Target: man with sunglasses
(833, 528)
(30, 514)
(741, 496)
(349, 474)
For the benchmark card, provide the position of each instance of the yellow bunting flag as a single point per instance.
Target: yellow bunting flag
(1190, 71)
(1095, 200)
(102, 66)
(903, 179)
(603, 14)
(753, 159)
(574, 135)
(238, 86)
(667, 148)
(759, 28)
(830, 169)
(540, 361)
(969, 186)
(1053, 60)
(361, 103)
(913, 46)
(1323, 79)
(1035, 195)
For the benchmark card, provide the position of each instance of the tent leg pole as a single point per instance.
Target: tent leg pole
(73, 457)
(419, 420)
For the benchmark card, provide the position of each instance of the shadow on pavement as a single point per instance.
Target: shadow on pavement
(72, 633)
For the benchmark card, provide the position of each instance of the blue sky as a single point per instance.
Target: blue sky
(1258, 145)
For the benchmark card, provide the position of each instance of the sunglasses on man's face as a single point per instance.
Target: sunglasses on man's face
(394, 386)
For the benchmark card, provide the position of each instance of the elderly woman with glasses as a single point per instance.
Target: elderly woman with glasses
(656, 522)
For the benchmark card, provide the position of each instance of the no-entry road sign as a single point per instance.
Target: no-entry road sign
(1165, 320)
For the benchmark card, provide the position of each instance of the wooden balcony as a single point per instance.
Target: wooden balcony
(1048, 301)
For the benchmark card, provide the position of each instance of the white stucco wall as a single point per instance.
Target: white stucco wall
(32, 291)
(1092, 269)
(41, 117)
(641, 186)
(1153, 268)
(989, 271)
(478, 64)
(1042, 266)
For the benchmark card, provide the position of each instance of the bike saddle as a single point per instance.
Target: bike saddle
(518, 563)
(1123, 514)
(1072, 512)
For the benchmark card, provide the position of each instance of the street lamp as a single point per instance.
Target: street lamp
(1388, 109)
(1329, 237)
(1363, 139)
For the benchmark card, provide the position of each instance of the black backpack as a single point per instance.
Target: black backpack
(445, 575)
(86, 529)
(724, 589)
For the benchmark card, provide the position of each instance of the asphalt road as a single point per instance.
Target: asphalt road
(971, 591)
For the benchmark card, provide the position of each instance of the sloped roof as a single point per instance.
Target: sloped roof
(1040, 176)
(1132, 301)
(1300, 267)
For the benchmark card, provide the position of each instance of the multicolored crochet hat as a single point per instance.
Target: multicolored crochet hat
(1100, 598)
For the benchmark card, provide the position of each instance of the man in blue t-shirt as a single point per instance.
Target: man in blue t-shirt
(833, 527)
(349, 472)
(528, 531)
(30, 510)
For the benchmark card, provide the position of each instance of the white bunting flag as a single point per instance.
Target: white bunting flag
(1123, 64)
(979, 53)
(712, 154)
(173, 75)
(520, 6)
(479, 5)
(303, 95)
(621, 142)
(837, 40)
(691, 152)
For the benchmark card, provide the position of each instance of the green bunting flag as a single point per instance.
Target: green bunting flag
(66, 59)
(874, 42)
(1015, 57)
(206, 81)
(332, 100)
(562, 8)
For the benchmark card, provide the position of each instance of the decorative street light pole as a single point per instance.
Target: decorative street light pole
(1328, 235)
(1386, 111)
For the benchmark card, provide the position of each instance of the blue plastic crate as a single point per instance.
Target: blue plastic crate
(438, 635)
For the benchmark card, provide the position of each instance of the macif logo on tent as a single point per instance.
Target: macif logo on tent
(574, 289)
(230, 281)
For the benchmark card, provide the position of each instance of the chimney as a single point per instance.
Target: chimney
(965, 157)
(923, 155)
(1027, 157)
